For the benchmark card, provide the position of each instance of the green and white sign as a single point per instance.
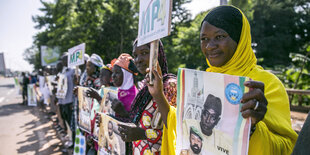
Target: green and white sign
(154, 20)
(76, 55)
(49, 56)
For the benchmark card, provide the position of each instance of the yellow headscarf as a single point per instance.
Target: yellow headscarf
(244, 60)
(274, 134)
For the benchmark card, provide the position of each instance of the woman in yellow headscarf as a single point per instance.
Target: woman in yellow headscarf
(226, 43)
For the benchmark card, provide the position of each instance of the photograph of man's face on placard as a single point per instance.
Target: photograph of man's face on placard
(109, 96)
(205, 102)
(195, 140)
(210, 115)
(110, 141)
(110, 129)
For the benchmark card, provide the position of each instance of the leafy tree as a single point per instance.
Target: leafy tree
(107, 27)
(187, 46)
(245, 5)
(32, 55)
(119, 29)
(279, 28)
(181, 17)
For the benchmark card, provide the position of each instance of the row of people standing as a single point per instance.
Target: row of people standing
(133, 104)
(226, 43)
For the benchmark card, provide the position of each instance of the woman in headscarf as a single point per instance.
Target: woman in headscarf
(105, 77)
(146, 138)
(93, 66)
(226, 43)
(123, 73)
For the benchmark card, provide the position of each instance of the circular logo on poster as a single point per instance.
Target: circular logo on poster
(233, 93)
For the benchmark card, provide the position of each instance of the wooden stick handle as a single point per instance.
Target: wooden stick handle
(153, 58)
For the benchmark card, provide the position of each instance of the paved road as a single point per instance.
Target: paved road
(24, 130)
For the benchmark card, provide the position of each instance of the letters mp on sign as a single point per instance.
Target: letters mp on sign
(76, 55)
(154, 20)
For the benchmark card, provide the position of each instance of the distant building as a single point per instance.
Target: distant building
(2, 64)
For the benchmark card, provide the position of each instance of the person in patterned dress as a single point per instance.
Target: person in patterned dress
(146, 136)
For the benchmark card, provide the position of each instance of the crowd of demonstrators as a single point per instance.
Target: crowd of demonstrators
(226, 44)
(45, 83)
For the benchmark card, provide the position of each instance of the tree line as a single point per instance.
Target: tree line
(109, 27)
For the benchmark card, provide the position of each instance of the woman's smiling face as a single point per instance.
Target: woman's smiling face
(141, 57)
(216, 44)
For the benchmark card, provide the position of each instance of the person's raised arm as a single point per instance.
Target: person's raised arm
(157, 92)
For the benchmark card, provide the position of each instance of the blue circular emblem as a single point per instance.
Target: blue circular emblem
(233, 93)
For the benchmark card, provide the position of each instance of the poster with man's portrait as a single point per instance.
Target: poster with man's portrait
(84, 109)
(106, 102)
(31, 95)
(49, 80)
(62, 86)
(110, 141)
(101, 93)
(208, 114)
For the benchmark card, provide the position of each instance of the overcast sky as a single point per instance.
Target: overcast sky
(17, 28)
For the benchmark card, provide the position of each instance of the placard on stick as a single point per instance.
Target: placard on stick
(153, 58)
(76, 55)
(154, 23)
(154, 20)
(49, 56)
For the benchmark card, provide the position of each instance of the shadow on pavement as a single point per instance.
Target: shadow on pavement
(42, 133)
(8, 86)
(10, 109)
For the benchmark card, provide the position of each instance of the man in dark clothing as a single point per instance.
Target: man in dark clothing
(24, 83)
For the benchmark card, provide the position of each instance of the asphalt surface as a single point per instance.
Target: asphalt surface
(23, 129)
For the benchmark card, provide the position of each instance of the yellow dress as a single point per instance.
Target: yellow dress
(168, 144)
(274, 134)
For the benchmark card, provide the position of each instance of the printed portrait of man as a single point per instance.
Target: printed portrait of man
(195, 140)
(112, 143)
(106, 107)
(210, 115)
